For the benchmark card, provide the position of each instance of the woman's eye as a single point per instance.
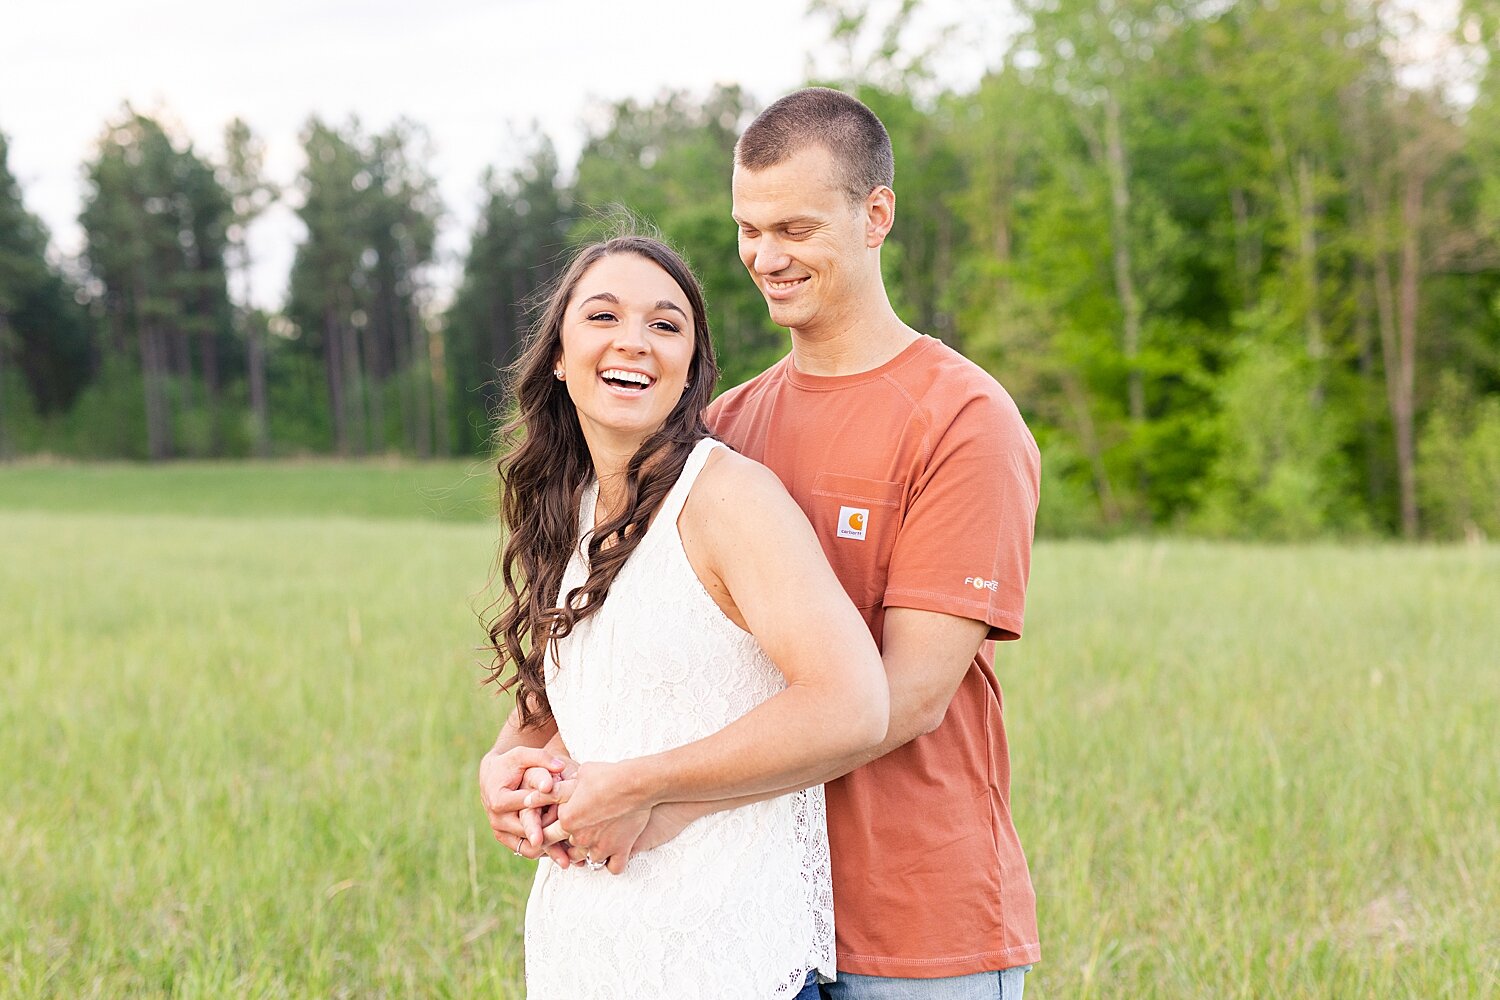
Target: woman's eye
(664, 324)
(601, 317)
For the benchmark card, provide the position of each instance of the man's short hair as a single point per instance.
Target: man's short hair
(851, 133)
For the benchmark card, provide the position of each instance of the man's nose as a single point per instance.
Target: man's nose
(770, 257)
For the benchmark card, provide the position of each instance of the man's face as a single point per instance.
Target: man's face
(803, 241)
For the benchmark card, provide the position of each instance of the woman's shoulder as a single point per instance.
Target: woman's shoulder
(736, 499)
(729, 476)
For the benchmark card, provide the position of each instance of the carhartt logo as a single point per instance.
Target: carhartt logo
(853, 522)
(979, 583)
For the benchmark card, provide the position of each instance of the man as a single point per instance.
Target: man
(921, 480)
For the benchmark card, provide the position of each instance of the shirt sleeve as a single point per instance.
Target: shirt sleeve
(964, 546)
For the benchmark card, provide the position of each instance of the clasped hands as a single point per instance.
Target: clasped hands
(542, 803)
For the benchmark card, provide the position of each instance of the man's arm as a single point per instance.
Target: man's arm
(925, 654)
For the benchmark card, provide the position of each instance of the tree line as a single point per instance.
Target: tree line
(1238, 263)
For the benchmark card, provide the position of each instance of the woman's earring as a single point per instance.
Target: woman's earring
(557, 373)
(686, 386)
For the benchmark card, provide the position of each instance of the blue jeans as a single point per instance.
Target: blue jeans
(1007, 984)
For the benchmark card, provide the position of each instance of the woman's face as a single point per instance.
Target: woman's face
(627, 348)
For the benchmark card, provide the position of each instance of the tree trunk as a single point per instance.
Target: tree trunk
(1246, 248)
(333, 363)
(180, 348)
(356, 388)
(438, 369)
(421, 385)
(942, 270)
(407, 388)
(259, 405)
(1130, 305)
(5, 446)
(1307, 217)
(1083, 418)
(211, 391)
(154, 368)
(1364, 335)
(1403, 408)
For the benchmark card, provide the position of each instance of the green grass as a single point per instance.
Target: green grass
(371, 488)
(237, 751)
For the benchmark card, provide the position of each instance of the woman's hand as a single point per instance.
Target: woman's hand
(501, 780)
(601, 812)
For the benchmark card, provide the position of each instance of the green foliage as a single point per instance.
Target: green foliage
(1460, 463)
(156, 219)
(44, 349)
(357, 285)
(1231, 259)
(516, 250)
(300, 419)
(109, 418)
(1279, 471)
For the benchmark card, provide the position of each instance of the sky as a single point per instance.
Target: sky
(475, 74)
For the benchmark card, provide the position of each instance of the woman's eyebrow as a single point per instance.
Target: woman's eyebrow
(606, 296)
(669, 304)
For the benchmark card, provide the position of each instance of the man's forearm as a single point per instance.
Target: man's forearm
(751, 756)
(904, 727)
(512, 735)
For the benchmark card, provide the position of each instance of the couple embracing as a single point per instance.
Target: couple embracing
(700, 636)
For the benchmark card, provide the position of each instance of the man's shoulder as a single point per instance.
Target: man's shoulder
(733, 401)
(948, 388)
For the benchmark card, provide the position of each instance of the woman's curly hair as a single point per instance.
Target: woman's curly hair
(544, 468)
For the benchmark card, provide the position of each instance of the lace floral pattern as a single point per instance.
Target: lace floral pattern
(740, 904)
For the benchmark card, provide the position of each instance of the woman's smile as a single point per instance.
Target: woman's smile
(627, 347)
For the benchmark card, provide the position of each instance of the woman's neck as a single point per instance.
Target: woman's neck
(611, 460)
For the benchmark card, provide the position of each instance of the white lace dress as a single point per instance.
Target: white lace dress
(739, 904)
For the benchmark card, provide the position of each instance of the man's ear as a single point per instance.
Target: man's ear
(880, 215)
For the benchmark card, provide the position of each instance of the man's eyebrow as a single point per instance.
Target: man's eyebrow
(796, 220)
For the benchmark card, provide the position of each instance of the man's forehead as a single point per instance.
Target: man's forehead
(786, 190)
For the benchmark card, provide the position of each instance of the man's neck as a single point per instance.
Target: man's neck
(852, 345)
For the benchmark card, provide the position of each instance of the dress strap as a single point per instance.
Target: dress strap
(677, 497)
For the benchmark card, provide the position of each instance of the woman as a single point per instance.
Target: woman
(670, 620)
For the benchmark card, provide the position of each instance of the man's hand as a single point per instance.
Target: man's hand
(501, 780)
(601, 812)
(667, 821)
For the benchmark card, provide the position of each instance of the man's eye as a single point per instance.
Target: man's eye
(798, 234)
(748, 234)
(601, 317)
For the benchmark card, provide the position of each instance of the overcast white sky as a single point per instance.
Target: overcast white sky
(474, 73)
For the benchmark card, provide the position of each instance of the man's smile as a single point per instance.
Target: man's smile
(775, 287)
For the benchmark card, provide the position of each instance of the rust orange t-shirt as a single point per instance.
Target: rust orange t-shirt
(921, 481)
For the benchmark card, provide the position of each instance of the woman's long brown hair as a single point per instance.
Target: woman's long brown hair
(545, 467)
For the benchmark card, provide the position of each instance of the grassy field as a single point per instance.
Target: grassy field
(239, 726)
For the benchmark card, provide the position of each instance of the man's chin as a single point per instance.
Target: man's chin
(783, 316)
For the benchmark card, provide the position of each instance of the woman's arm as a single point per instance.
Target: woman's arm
(753, 548)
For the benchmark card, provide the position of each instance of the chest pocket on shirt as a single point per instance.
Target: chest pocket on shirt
(856, 520)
